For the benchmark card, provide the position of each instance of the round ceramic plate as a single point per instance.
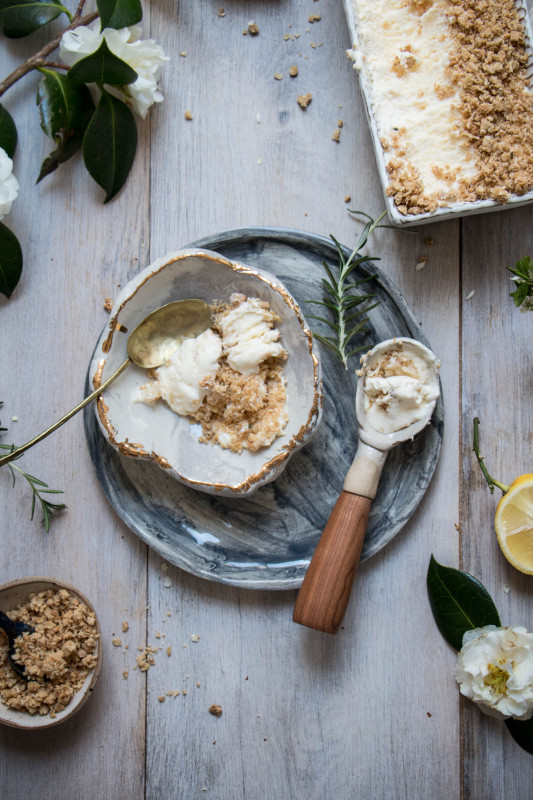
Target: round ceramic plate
(266, 541)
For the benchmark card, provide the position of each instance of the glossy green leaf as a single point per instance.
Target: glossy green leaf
(103, 66)
(119, 13)
(109, 144)
(10, 261)
(522, 732)
(65, 108)
(459, 602)
(21, 17)
(8, 132)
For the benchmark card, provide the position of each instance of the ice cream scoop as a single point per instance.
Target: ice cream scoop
(388, 413)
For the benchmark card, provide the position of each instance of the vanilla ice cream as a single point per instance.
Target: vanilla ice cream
(401, 386)
(248, 335)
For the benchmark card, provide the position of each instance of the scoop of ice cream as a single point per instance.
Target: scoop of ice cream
(248, 335)
(178, 380)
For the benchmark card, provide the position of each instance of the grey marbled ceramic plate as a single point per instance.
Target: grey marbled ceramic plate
(266, 541)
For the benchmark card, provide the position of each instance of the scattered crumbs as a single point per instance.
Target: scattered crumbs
(195, 637)
(429, 241)
(188, 115)
(314, 18)
(116, 641)
(108, 304)
(264, 740)
(253, 28)
(506, 588)
(204, 788)
(427, 712)
(278, 76)
(246, 678)
(184, 692)
(167, 583)
(215, 710)
(164, 566)
(287, 36)
(183, 53)
(184, 645)
(157, 635)
(336, 136)
(470, 295)
(422, 259)
(457, 527)
(258, 118)
(125, 626)
(161, 698)
(313, 45)
(169, 613)
(304, 100)
(197, 684)
(259, 716)
(347, 198)
(293, 71)
(173, 693)
(125, 674)
(145, 659)
(221, 12)
(340, 123)
(259, 161)
(14, 419)
(169, 651)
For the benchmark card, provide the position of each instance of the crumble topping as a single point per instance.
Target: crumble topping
(57, 656)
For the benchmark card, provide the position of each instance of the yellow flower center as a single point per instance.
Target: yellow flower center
(497, 679)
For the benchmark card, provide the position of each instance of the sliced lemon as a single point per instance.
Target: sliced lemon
(514, 524)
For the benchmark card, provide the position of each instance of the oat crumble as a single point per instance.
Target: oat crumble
(58, 656)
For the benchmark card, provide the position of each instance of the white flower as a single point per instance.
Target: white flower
(143, 55)
(9, 185)
(495, 669)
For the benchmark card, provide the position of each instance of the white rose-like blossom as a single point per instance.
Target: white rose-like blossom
(495, 669)
(9, 185)
(143, 55)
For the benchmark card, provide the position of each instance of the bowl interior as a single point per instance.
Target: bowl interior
(16, 593)
(156, 432)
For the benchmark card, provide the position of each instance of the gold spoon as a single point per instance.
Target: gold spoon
(150, 344)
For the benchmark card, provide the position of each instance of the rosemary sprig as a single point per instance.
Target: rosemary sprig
(491, 482)
(38, 487)
(348, 310)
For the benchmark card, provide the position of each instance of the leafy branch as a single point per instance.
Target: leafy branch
(347, 310)
(523, 278)
(491, 482)
(38, 487)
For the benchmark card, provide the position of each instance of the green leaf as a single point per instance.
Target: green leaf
(10, 261)
(522, 732)
(19, 18)
(65, 109)
(520, 293)
(109, 144)
(459, 602)
(8, 132)
(119, 13)
(102, 66)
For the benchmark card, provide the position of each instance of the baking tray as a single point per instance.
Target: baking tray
(453, 210)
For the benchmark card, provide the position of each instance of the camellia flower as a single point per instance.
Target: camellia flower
(495, 669)
(9, 185)
(143, 55)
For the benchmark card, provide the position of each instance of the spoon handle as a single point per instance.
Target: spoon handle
(22, 449)
(325, 590)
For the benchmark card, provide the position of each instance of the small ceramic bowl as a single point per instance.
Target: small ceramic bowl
(16, 593)
(156, 433)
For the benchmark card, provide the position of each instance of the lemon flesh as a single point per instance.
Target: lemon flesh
(514, 524)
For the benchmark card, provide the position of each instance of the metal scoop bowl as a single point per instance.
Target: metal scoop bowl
(325, 591)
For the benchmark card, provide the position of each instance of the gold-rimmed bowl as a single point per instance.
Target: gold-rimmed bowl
(157, 434)
(15, 594)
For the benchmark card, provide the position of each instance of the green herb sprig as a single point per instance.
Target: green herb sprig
(491, 482)
(348, 310)
(523, 278)
(38, 487)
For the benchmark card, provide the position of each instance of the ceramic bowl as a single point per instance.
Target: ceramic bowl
(156, 433)
(16, 593)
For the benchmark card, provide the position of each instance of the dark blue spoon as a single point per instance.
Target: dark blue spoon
(12, 630)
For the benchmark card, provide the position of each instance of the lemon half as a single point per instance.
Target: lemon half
(514, 524)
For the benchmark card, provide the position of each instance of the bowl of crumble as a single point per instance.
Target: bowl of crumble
(60, 657)
(230, 406)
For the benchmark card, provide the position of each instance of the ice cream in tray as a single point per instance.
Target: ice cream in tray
(447, 85)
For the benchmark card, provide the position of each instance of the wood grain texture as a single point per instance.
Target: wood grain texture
(372, 712)
(326, 588)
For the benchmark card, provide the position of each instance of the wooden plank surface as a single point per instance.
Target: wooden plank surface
(372, 712)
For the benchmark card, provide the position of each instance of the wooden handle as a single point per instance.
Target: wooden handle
(325, 591)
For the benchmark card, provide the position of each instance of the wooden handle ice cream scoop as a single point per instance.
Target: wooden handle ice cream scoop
(150, 344)
(397, 390)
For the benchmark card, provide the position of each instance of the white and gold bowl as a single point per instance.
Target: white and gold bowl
(157, 434)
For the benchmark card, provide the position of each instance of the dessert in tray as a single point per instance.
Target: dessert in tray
(447, 86)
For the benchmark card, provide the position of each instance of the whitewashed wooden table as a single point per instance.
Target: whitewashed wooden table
(372, 712)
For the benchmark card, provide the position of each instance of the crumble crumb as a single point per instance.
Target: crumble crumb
(215, 710)
(116, 641)
(108, 304)
(336, 136)
(125, 626)
(314, 18)
(304, 100)
(195, 637)
(293, 71)
(188, 115)
(253, 28)
(278, 76)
